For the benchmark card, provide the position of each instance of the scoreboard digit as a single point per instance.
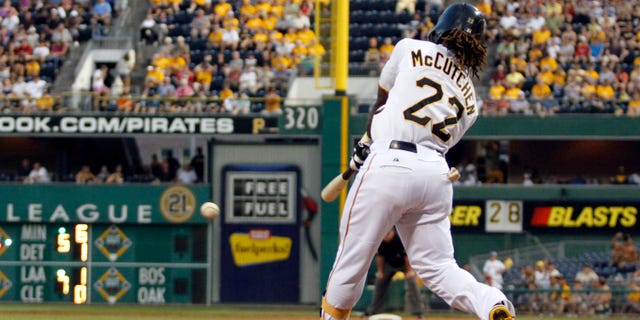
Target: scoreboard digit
(503, 216)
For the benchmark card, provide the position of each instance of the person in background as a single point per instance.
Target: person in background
(493, 269)
(23, 170)
(85, 176)
(187, 175)
(116, 177)
(197, 163)
(392, 258)
(38, 174)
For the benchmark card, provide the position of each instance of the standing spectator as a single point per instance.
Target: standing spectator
(155, 166)
(124, 66)
(493, 269)
(623, 251)
(174, 165)
(98, 84)
(38, 174)
(392, 258)
(85, 176)
(542, 279)
(197, 163)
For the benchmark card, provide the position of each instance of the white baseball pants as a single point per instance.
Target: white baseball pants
(411, 191)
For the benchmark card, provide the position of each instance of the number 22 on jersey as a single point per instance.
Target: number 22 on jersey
(439, 129)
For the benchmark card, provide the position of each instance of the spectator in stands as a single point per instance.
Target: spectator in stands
(633, 297)
(565, 296)
(468, 173)
(38, 174)
(34, 89)
(174, 165)
(633, 108)
(406, 5)
(272, 102)
(372, 57)
(542, 280)
(578, 303)
(123, 68)
(11, 21)
(148, 30)
(586, 276)
(101, 16)
(62, 34)
(248, 81)
(197, 163)
(116, 177)
(23, 169)
(187, 175)
(493, 269)
(98, 80)
(200, 25)
(103, 174)
(85, 176)
(624, 254)
(600, 298)
(155, 167)
(620, 177)
(46, 102)
(242, 105)
(165, 174)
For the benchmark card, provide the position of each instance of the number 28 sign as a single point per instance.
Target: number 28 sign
(503, 216)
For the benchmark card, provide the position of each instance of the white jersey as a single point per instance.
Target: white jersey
(431, 101)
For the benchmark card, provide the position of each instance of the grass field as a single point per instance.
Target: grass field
(222, 312)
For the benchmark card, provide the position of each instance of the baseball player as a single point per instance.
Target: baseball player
(426, 102)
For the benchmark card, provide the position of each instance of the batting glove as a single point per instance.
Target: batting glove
(360, 153)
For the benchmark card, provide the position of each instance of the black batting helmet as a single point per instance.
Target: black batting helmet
(461, 16)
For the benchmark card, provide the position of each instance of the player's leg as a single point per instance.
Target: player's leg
(430, 250)
(373, 205)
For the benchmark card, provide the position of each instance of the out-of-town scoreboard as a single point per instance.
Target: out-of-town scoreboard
(133, 244)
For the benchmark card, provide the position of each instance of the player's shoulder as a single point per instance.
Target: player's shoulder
(409, 44)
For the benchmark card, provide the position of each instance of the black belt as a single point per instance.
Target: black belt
(403, 145)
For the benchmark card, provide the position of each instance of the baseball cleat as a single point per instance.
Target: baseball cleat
(500, 312)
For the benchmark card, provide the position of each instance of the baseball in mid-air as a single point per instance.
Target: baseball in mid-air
(209, 210)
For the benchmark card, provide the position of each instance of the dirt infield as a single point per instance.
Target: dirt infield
(177, 312)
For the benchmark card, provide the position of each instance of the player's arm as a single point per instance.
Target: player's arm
(383, 94)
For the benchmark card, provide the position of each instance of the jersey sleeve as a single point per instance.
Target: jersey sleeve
(390, 69)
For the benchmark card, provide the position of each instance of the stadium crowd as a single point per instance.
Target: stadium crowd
(35, 39)
(589, 285)
(223, 56)
(554, 56)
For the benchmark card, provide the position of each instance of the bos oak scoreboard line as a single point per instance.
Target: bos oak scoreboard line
(144, 244)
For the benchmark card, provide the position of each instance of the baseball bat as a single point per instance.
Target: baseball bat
(333, 189)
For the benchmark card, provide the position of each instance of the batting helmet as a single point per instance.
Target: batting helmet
(461, 16)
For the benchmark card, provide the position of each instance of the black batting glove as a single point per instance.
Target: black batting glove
(360, 153)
